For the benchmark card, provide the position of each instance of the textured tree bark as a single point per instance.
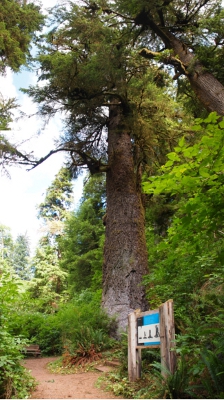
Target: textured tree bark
(207, 88)
(125, 254)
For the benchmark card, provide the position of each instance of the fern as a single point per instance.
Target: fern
(215, 367)
(176, 385)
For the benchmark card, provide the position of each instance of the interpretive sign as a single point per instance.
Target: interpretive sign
(151, 329)
(148, 327)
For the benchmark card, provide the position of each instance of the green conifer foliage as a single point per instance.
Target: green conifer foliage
(19, 20)
(21, 254)
(6, 107)
(58, 197)
(49, 280)
(6, 248)
(82, 243)
(54, 209)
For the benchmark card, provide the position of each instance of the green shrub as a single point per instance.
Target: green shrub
(15, 381)
(40, 329)
(82, 311)
(49, 336)
(52, 331)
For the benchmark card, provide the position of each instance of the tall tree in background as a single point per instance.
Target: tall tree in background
(58, 200)
(21, 254)
(115, 119)
(81, 245)
(49, 279)
(6, 248)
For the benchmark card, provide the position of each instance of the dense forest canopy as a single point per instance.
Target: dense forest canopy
(139, 86)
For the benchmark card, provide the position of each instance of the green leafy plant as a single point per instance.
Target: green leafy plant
(176, 385)
(186, 260)
(118, 384)
(213, 381)
(195, 171)
(15, 380)
(51, 331)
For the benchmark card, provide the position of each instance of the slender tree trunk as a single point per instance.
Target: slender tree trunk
(125, 254)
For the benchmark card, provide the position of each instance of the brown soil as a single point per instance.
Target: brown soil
(58, 386)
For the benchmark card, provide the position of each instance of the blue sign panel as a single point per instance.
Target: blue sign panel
(148, 330)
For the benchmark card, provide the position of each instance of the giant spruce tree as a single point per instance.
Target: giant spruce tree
(115, 117)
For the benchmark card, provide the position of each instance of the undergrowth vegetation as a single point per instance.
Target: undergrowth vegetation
(85, 346)
(15, 381)
(76, 322)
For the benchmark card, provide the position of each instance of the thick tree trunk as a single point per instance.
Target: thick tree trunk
(207, 88)
(125, 254)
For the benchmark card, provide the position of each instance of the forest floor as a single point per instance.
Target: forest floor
(70, 386)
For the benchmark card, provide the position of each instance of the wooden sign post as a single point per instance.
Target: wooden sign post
(151, 329)
(167, 332)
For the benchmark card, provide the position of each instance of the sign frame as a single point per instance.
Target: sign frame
(166, 333)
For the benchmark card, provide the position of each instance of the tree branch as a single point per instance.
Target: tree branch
(94, 165)
(42, 159)
(165, 59)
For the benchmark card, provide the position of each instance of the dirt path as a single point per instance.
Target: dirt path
(57, 386)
